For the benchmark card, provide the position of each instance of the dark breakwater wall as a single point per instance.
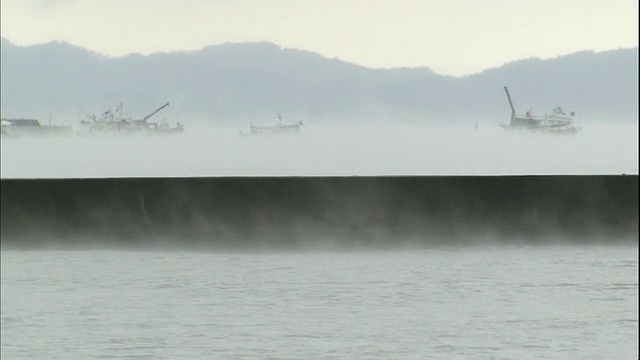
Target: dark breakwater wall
(237, 212)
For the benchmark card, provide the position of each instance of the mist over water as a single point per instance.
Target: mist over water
(302, 267)
(377, 233)
(328, 150)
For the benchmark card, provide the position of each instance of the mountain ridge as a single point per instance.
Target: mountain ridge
(235, 82)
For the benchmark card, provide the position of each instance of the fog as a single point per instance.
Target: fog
(363, 149)
(311, 212)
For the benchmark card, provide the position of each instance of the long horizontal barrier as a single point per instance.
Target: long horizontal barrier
(318, 212)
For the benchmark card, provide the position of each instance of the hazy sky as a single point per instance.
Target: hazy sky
(455, 37)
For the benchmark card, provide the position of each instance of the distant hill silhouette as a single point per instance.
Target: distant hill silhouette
(245, 81)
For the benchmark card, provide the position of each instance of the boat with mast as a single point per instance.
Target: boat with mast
(556, 123)
(121, 122)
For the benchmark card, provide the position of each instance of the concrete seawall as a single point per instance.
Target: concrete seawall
(241, 212)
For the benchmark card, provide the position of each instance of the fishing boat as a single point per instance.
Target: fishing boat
(31, 127)
(279, 128)
(555, 123)
(121, 122)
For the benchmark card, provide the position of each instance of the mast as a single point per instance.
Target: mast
(155, 112)
(513, 110)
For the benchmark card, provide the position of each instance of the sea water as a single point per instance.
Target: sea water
(475, 302)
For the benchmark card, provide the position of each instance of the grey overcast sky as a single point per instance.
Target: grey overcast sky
(453, 37)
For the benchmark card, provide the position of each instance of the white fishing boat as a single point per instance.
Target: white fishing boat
(279, 128)
(557, 122)
(32, 127)
(121, 122)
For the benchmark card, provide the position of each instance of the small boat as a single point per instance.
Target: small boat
(555, 123)
(279, 128)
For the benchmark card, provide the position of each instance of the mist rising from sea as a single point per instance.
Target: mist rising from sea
(329, 150)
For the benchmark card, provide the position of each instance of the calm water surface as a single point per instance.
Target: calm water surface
(549, 302)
